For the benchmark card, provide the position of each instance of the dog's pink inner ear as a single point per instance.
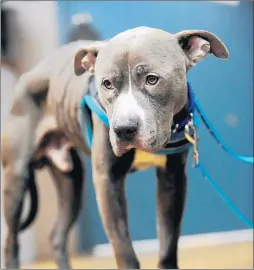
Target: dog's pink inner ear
(196, 49)
(84, 61)
(88, 62)
(197, 44)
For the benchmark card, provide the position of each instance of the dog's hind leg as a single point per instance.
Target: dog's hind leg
(171, 189)
(13, 196)
(16, 171)
(69, 187)
(18, 145)
(17, 149)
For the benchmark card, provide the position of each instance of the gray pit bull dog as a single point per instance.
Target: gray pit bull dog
(141, 80)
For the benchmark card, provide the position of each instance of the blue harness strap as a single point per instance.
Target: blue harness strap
(90, 102)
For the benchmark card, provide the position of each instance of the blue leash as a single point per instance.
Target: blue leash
(207, 177)
(218, 139)
(223, 196)
(247, 159)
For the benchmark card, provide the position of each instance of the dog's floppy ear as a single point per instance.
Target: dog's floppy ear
(85, 57)
(197, 44)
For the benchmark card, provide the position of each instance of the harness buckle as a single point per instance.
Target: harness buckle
(191, 135)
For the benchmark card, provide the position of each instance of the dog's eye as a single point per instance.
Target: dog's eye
(152, 79)
(107, 84)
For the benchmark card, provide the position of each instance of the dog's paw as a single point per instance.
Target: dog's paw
(167, 266)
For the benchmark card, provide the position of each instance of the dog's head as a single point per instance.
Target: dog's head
(141, 81)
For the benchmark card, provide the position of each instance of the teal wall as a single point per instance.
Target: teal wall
(225, 90)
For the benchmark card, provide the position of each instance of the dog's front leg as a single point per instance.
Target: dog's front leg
(171, 190)
(109, 174)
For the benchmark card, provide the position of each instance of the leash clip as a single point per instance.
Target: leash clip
(175, 128)
(191, 136)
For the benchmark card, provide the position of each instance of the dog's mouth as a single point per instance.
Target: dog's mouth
(120, 148)
(152, 145)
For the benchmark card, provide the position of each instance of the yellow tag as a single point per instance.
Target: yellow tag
(144, 160)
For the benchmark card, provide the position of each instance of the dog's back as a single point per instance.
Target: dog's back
(45, 98)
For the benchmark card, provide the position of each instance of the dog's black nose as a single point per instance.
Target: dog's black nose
(127, 130)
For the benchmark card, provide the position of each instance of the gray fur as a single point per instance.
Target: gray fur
(47, 100)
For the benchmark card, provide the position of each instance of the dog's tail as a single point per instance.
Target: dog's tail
(32, 190)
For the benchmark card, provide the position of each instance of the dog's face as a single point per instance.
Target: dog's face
(141, 81)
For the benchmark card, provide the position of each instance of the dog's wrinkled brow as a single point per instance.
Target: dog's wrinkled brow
(142, 68)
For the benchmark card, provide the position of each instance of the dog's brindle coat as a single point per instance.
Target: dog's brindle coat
(144, 67)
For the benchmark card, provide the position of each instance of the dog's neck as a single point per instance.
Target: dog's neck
(182, 118)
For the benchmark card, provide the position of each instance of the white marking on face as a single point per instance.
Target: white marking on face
(130, 101)
(127, 105)
(129, 72)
